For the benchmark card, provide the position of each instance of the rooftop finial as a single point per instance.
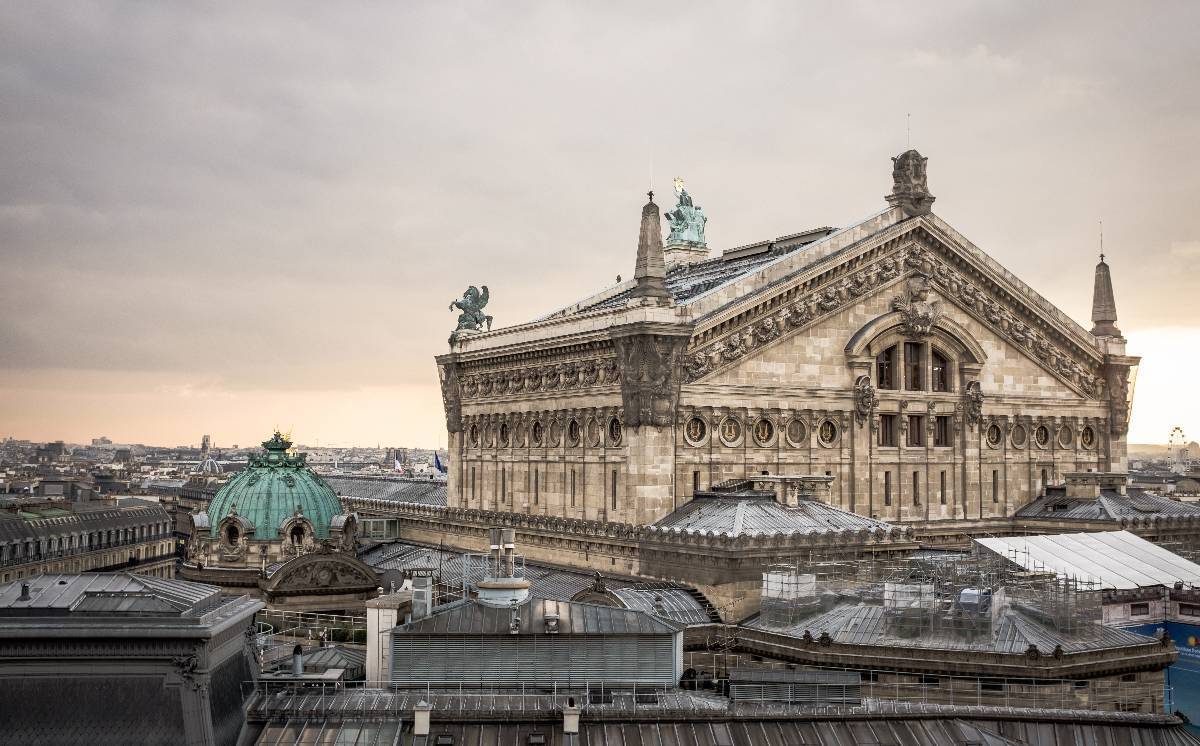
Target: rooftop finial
(1104, 304)
(910, 190)
(650, 272)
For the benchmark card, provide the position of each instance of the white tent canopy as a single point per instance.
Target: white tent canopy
(1112, 559)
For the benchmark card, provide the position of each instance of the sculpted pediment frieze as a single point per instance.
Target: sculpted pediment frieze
(932, 276)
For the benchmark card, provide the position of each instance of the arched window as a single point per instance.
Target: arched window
(885, 368)
(939, 377)
(232, 535)
(297, 535)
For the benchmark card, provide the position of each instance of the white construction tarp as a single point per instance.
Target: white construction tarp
(1111, 559)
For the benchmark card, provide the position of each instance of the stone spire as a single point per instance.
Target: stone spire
(651, 269)
(1104, 305)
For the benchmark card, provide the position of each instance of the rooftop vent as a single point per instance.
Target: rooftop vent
(504, 584)
(24, 592)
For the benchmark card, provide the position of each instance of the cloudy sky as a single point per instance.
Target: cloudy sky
(221, 218)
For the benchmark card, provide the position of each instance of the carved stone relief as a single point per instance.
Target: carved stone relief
(650, 377)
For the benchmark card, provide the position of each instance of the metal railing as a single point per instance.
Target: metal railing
(967, 694)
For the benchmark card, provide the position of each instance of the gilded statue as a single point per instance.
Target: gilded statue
(472, 317)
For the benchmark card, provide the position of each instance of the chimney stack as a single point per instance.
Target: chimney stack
(422, 597)
(571, 718)
(297, 661)
(24, 592)
(421, 718)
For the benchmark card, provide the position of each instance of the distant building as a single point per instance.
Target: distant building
(38, 536)
(122, 658)
(51, 453)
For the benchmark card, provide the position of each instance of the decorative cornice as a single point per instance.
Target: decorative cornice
(803, 306)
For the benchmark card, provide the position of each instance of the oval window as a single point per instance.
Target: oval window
(695, 431)
(731, 431)
(1041, 436)
(994, 435)
(797, 432)
(764, 432)
(614, 432)
(828, 432)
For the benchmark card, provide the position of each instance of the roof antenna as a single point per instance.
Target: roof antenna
(908, 131)
(1102, 239)
(651, 185)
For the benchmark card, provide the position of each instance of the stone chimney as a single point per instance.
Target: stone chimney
(650, 272)
(1104, 305)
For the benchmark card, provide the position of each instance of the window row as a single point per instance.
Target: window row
(1018, 436)
(541, 434)
(912, 366)
(912, 430)
(730, 432)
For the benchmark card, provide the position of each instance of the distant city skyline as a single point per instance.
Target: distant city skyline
(281, 250)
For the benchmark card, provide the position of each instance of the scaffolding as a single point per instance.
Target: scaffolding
(931, 599)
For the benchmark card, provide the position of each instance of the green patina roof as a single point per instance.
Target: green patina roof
(270, 490)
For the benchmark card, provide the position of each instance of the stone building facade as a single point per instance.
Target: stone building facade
(892, 355)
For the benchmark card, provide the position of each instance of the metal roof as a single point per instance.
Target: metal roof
(398, 489)
(1110, 506)
(79, 519)
(739, 515)
(473, 618)
(105, 593)
(865, 624)
(1114, 559)
(680, 604)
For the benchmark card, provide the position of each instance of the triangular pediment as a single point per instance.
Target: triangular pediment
(802, 292)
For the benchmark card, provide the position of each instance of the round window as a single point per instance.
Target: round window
(536, 433)
(731, 431)
(828, 432)
(797, 432)
(614, 432)
(695, 431)
(573, 433)
(1019, 436)
(1088, 437)
(764, 432)
(1065, 437)
(504, 434)
(1041, 436)
(994, 435)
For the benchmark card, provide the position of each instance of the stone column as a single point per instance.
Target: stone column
(969, 491)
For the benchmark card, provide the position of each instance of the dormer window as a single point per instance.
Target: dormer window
(232, 535)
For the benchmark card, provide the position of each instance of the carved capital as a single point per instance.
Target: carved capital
(451, 393)
(650, 364)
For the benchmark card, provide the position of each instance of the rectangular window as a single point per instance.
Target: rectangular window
(572, 488)
(942, 487)
(536, 487)
(887, 430)
(1139, 609)
(503, 484)
(916, 488)
(995, 486)
(695, 482)
(941, 431)
(914, 366)
(1189, 610)
(916, 430)
(472, 482)
(887, 488)
(939, 372)
(885, 369)
(614, 489)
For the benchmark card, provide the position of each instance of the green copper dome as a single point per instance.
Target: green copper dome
(271, 489)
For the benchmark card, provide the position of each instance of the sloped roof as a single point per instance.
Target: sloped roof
(105, 593)
(398, 489)
(469, 617)
(745, 514)
(1110, 506)
(865, 624)
(1115, 559)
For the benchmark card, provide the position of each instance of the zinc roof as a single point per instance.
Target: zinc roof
(1114, 559)
(473, 618)
(755, 516)
(398, 489)
(104, 593)
(1110, 506)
